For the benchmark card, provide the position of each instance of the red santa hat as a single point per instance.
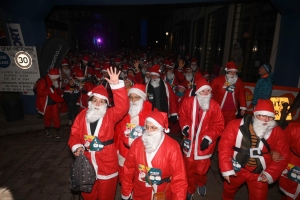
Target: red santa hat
(194, 60)
(159, 119)
(98, 75)
(100, 92)
(117, 60)
(86, 58)
(231, 66)
(205, 74)
(168, 64)
(97, 65)
(64, 62)
(155, 70)
(53, 73)
(79, 74)
(105, 67)
(264, 107)
(88, 86)
(183, 85)
(129, 78)
(201, 84)
(138, 89)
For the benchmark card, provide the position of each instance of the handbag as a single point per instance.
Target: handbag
(156, 195)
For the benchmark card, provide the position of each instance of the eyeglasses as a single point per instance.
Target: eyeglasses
(151, 128)
(136, 98)
(263, 117)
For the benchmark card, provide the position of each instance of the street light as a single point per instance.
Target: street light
(167, 33)
(156, 41)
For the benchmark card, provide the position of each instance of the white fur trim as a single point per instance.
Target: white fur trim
(208, 138)
(76, 146)
(228, 70)
(154, 73)
(202, 88)
(228, 173)
(137, 92)
(121, 159)
(167, 130)
(154, 122)
(104, 177)
(97, 95)
(243, 108)
(264, 112)
(118, 85)
(54, 76)
(52, 91)
(269, 177)
(125, 197)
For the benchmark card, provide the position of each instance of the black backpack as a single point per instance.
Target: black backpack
(34, 87)
(82, 175)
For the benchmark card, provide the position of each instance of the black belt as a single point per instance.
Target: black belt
(294, 152)
(108, 142)
(244, 151)
(126, 145)
(165, 180)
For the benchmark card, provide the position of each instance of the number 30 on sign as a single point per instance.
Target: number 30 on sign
(23, 60)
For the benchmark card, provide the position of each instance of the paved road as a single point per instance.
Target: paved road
(36, 167)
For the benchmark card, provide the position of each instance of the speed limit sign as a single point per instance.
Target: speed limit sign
(23, 60)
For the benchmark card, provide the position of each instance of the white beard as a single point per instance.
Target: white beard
(189, 77)
(67, 71)
(231, 79)
(204, 101)
(135, 108)
(122, 75)
(262, 128)
(144, 71)
(147, 79)
(55, 83)
(95, 112)
(194, 67)
(155, 83)
(170, 76)
(152, 140)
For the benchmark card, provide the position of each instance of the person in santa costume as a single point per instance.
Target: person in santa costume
(202, 123)
(161, 95)
(289, 181)
(65, 74)
(245, 152)
(47, 101)
(229, 91)
(173, 76)
(154, 159)
(125, 132)
(92, 133)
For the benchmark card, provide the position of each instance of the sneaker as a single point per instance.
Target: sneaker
(70, 122)
(201, 190)
(58, 135)
(189, 196)
(48, 134)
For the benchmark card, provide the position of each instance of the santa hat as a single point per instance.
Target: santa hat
(130, 78)
(187, 68)
(53, 73)
(194, 60)
(117, 60)
(231, 66)
(155, 70)
(264, 107)
(79, 74)
(100, 92)
(98, 75)
(64, 62)
(159, 119)
(105, 67)
(88, 86)
(183, 85)
(86, 58)
(201, 84)
(205, 74)
(138, 89)
(97, 65)
(168, 64)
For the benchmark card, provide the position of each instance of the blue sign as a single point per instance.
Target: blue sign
(4, 60)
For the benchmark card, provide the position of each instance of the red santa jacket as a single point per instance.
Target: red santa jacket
(167, 158)
(233, 137)
(288, 186)
(171, 98)
(121, 140)
(211, 125)
(43, 88)
(220, 93)
(105, 161)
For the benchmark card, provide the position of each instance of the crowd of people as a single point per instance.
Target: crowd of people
(123, 107)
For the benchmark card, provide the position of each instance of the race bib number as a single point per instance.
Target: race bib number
(136, 132)
(150, 96)
(294, 174)
(186, 144)
(88, 139)
(96, 145)
(154, 174)
(230, 88)
(236, 165)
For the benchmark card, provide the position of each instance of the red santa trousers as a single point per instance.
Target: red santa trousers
(63, 108)
(52, 114)
(102, 190)
(256, 189)
(229, 115)
(196, 171)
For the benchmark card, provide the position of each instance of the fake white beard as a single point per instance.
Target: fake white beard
(122, 75)
(55, 83)
(155, 83)
(147, 79)
(231, 79)
(144, 71)
(151, 140)
(204, 101)
(262, 128)
(135, 108)
(170, 75)
(194, 67)
(67, 71)
(189, 77)
(95, 112)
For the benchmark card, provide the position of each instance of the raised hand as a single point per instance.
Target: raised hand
(181, 64)
(113, 76)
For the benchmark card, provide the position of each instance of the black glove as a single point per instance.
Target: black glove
(173, 119)
(204, 144)
(185, 131)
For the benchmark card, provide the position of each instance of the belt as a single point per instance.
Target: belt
(108, 142)
(252, 152)
(165, 180)
(126, 145)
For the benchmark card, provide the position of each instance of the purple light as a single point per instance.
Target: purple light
(98, 40)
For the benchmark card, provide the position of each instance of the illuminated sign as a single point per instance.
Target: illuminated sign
(277, 103)
(23, 60)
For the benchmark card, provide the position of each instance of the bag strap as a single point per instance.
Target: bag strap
(149, 178)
